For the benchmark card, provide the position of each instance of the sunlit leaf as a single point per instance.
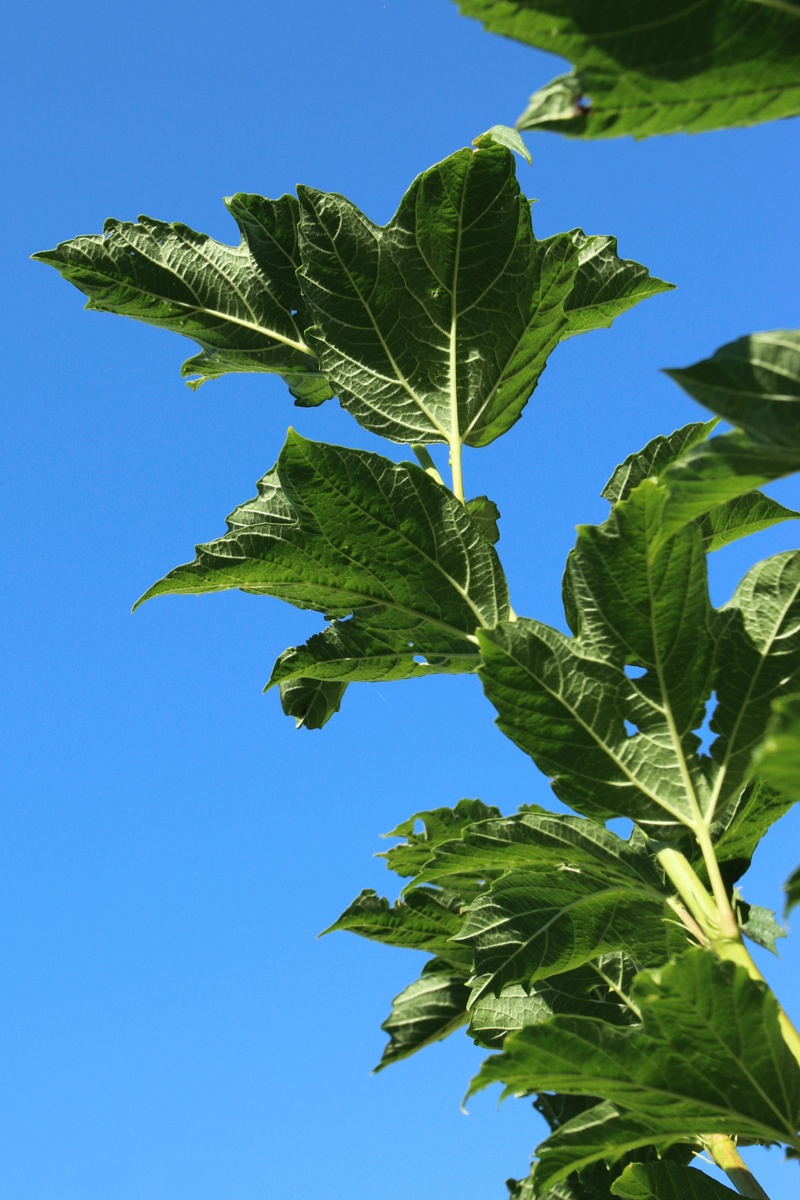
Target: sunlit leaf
(424, 919)
(668, 1181)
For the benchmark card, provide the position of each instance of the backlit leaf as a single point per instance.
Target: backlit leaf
(427, 1011)
(242, 304)
(668, 1181)
(437, 326)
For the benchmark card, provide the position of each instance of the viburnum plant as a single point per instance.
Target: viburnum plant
(609, 976)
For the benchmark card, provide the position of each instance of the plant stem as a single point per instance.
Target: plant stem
(423, 457)
(455, 467)
(723, 935)
(725, 1154)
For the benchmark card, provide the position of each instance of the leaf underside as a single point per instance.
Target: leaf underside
(644, 67)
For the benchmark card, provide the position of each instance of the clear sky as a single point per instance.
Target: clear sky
(170, 1027)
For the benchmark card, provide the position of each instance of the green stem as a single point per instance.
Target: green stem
(725, 1154)
(455, 467)
(726, 942)
(424, 459)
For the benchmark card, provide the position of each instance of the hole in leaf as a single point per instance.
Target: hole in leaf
(621, 826)
(630, 729)
(421, 659)
(634, 672)
(703, 730)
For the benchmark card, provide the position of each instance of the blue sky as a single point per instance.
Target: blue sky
(171, 1028)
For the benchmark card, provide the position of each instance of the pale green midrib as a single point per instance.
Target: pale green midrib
(626, 1000)
(455, 417)
(618, 888)
(457, 587)
(667, 707)
(716, 791)
(254, 325)
(399, 375)
(198, 308)
(645, 791)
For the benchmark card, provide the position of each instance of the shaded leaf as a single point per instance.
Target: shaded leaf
(427, 1011)
(655, 66)
(242, 304)
(777, 759)
(485, 514)
(668, 1181)
(437, 326)
(737, 832)
(312, 702)
(792, 889)
(709, 1056)
(598, 989)
(424, 920)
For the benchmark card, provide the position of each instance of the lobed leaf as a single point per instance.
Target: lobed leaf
(437, 326)
(242, 304)
(424, 920)
(709, 1056)
(655, 66)
(346, 531)
(438, 825)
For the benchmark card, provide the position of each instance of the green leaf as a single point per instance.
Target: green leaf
(708, 1057)
(737, 832)
(655, 66)
(754, 383)
(599, 989)
(757, 655)
(346, 531)
(424, 920)
(759, 924)
(740, 517)
(653, 458)
(777, 759)
(504, 135)
(437, 326)
(438, 825)
(242, 304)
(485, 514)
(792, 889)
(312, 702)
(427, 1011)
(578, 892)
(566, 702)
(668, 1181)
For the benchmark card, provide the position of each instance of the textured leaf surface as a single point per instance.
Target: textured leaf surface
(427, 1011)
(598, 989)
(741, 827)
(581, 893)
(758, 923)
(438, 825)
(242, 304)
(709, 1056)
(668, 1181)
(312, 702)
(653, 458)
(424, 920)
(437, 326)
(345, 531)
(644, 67)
